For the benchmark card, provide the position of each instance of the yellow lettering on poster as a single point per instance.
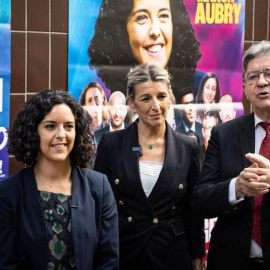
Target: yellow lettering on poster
(217, 12)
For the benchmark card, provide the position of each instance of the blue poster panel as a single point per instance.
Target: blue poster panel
(4, 85)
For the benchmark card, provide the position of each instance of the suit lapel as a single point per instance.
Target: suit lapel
(247, 138)
(170, 165)
(247, 142)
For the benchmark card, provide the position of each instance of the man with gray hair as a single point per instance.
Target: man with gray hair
(235, 179)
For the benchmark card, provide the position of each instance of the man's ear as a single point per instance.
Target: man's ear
(244, 90)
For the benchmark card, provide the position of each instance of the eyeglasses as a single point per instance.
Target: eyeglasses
(253, 76)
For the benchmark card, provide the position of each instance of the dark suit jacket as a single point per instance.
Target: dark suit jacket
(23, 234)
(98, 133)
(161, 227)
(198, 130)
(225, 159)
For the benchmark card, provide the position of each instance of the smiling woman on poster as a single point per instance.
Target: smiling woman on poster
(209, 90)
(142, 31)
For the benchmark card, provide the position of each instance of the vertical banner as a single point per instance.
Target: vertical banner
(5, 43)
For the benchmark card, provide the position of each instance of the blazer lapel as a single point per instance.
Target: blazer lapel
(33, 215)
(82, 213)
(131, 162)
(170, 165)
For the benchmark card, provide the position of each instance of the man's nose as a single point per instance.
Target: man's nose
(261, 80)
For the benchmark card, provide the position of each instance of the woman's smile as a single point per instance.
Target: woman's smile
(150, 29)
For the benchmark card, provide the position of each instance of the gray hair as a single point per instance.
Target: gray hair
(255, 51)
(145, 73)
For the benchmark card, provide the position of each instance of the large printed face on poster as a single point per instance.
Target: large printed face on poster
(199, 42)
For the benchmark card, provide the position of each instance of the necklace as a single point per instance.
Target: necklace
(150, 145)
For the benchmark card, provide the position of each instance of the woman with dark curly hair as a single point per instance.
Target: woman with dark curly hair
(142, 31)
(56, 213)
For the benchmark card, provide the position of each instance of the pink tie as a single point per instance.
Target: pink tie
(258, 200)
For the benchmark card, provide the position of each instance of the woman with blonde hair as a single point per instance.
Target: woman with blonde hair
(152, 171)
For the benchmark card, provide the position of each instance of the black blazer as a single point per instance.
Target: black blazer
(23, 234)
(163, 226)
(225, 159)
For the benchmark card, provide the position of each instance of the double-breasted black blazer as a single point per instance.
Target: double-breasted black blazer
(94, 226)
(163, 226)
(225, 159)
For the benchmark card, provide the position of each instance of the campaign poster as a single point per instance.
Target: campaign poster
(202, 49)
(207, 37)
(5, 42)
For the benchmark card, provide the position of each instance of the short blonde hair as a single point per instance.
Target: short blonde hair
(146, 73)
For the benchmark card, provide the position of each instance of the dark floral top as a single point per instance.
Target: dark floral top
(57, 214)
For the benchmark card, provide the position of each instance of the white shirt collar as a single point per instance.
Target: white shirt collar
(187, 128)
(122, 127)
(257, 120)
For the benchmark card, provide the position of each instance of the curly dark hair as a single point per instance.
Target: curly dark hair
(24, 138)
(111, 55)
(208, 75)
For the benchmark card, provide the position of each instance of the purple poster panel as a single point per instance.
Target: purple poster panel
(219, 26)
(4, 85)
